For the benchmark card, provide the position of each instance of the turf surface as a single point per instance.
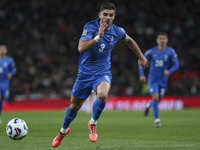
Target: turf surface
(117, 130)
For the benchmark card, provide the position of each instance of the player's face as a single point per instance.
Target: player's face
(107, 16)
(3, 51)
(162, 40)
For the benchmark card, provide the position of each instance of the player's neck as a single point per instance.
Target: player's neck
(2, 56)
(161, 48)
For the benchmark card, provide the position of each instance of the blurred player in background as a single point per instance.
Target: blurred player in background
(7, 70)
(95, 45)
(163, 62)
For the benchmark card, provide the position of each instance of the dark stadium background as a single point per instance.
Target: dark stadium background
(42, 36)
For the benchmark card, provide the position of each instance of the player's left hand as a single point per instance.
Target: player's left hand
(143, 62)
(166, 72)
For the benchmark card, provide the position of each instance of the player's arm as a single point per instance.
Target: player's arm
(142, 74)
(85, 45)
(175, 65)
(142, 77)
(142, 61)
(13, 69)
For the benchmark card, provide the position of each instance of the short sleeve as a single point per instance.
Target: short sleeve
(174, 55)
(121, 33)
(88, 32)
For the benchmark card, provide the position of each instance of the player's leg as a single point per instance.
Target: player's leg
(148, 107)
(99, 104)
(150, 104)
(71, 112)
(155, 107)
(81, 90)
(161, 94)
(70, 115)
(153, 88)
(158, 97)
(98, 107)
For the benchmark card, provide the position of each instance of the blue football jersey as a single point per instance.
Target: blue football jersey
(7, 65)
(97, 59)
(160, 61)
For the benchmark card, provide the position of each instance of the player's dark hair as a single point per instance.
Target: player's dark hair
(107, 5)
(162, 33)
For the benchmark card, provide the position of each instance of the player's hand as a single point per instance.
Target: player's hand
(143, 79)
(102, 28)
(166, 72)
(9, 76)
(143, 62)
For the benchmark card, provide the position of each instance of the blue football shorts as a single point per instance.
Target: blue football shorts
(155, 87)
(85, 83)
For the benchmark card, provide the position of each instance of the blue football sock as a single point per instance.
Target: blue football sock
(69, 117)
(97, 108)
(1, 105)
(155, 109)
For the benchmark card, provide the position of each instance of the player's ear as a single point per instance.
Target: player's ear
(167, 40)
(157, 40)
(99, 14)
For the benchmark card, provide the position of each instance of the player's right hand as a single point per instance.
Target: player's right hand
(102, 28)
(143, 79)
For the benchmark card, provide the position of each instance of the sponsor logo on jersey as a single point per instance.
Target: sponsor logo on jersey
(112, 38)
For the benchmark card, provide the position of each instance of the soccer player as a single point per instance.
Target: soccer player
(163, 62)
(95, 46)
(7, 70)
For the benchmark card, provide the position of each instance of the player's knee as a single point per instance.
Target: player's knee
(102, 96)
(155, 97)
(75, 107)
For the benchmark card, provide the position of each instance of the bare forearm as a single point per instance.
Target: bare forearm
(86, 45)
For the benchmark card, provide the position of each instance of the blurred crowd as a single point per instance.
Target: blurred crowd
(42, 36)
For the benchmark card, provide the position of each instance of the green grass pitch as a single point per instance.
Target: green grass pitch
(117, 130)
